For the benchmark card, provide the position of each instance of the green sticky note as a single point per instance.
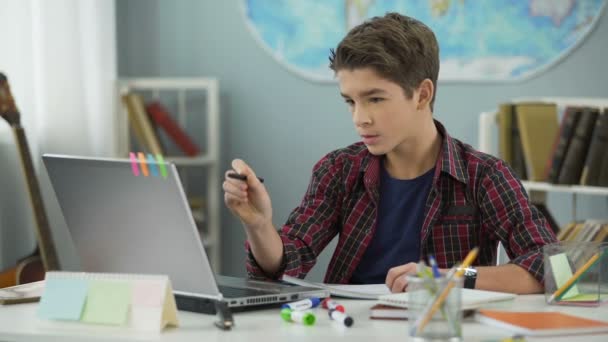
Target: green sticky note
(561, 273)
(107, 302)
(63, 299)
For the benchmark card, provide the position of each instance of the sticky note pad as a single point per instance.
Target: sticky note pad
(107, 302)
(63, 299)
(562, 272)
(148, 293)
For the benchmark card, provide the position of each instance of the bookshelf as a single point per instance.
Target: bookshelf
(538, 190)
(488, 132)
(188, 99)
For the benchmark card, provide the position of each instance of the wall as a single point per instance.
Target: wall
(282, 124)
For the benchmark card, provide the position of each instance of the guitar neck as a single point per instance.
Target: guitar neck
(43, 233)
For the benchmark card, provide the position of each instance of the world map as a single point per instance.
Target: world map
(481, 40)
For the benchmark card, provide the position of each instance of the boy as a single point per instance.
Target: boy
(406, 191)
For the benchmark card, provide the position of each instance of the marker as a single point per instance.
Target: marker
(330, 304)
(303, 304)
(304, 317)
(242, 177)
(434, 266)
(341, 317)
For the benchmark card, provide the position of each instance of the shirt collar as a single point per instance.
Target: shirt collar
(450, 161)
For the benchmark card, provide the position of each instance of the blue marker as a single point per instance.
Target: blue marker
(433, 263)
(303, 304)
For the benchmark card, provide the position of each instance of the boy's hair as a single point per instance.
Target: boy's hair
(399, 48)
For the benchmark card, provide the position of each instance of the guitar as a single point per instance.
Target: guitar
(44, 258)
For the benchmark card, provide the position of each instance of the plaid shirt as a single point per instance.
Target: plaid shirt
(475, 200)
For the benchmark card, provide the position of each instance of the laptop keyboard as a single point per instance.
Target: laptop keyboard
(237, 292)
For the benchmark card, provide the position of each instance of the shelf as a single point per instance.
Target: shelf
(570, 189)
(192, 161)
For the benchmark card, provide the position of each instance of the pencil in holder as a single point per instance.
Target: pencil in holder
(576, 273)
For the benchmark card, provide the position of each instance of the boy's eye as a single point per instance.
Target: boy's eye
(376, 99)
(349, 102)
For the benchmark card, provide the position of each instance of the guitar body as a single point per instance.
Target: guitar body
(27, 270)
(45, 258)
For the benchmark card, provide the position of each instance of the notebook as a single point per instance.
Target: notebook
(471, 299)
(364, 291)
(123, 221)
(541, 323)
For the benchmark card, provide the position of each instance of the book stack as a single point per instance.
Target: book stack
(541, 148)
(587, 231)
(149, 121)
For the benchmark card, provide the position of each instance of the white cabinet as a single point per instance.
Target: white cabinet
(189, 100)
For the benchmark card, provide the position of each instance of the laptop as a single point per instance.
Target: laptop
(121, 221)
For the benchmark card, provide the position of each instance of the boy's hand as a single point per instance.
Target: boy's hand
(247, 199)
(396, 278)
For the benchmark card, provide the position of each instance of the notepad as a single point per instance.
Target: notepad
(139, 302)
(541, 323)
(471, 299)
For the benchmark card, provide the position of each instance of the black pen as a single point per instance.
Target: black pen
(242, 177)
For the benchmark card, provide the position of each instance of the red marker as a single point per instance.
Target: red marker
(330, 304)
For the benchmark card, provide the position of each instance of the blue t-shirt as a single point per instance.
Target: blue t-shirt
(397, 237)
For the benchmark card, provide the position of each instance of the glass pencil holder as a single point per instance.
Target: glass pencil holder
(446, 323)
(576, 273)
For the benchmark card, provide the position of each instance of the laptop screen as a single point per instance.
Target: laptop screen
(121, 221)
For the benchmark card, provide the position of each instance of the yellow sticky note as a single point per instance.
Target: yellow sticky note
(107, 302)
(562, 272)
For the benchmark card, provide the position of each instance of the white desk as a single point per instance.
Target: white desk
(19, 323)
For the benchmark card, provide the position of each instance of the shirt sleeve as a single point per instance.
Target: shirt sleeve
(519, 225)
(310, 226)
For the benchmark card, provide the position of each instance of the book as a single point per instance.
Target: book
(382, 311)
(470, 298)
(160, 115)
(509, 143)
(603, 172)
(597, 146)
(141, 124)
(572, 167)
(562, 141)
(541, 323)
(538, 127)
(369, 291)
(24, 293)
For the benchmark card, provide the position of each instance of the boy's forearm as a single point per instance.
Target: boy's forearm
(267, 248)
(507, 278)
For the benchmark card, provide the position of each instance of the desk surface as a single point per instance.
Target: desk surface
(19, 323)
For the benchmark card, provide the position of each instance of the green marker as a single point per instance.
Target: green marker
(304, 317)
(161, 165)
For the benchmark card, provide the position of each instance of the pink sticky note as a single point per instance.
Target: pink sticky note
(148, 293)
(134, 164)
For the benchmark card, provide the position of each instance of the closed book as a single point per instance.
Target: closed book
(538, 127)
(562, 141)
(541, 323)
(597, 147)
(602, 235)
(163, 119)
(141, 123)
(603, 173)
(564, 232)
(381, 311)
(505, 141)
(518, 162)
(572, 168)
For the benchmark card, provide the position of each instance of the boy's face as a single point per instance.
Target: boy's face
(383, 115)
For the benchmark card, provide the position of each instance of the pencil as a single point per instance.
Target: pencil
(436, 304)
(557, 295)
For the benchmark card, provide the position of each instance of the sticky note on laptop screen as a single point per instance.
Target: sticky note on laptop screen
(107, 303)
(562, 272)
(63, 299)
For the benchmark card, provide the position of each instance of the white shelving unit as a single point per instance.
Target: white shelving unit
(538, 190)
(209, 157)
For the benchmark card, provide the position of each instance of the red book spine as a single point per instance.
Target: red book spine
(162, 118)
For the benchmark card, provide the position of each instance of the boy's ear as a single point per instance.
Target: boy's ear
(425, 93)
